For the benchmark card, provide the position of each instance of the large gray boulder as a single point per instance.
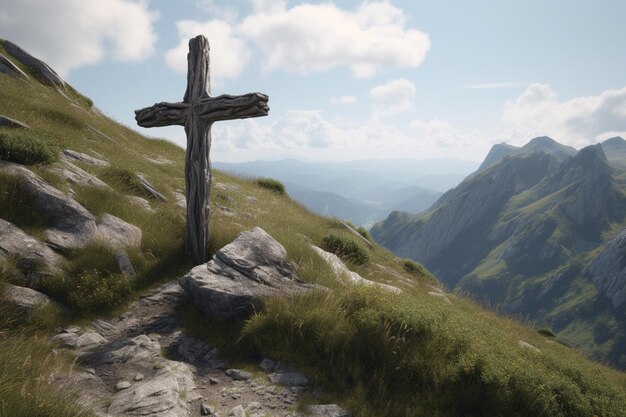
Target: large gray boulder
(607, 270)
(25, 298)
(41, 70)
(241, 274)
(72, 226)
(32, 256)
(75, 175)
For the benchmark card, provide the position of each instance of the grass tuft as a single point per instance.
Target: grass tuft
(272, 185)
(347, 248)
(28, 147)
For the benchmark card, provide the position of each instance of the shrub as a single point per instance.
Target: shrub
(412, 267)
(546, 332)
(346, 248)
(95, 292)
(91, 292)
(28, 147)
(364, 232)
(271, 184)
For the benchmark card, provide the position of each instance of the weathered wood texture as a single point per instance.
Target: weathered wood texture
(197, 113)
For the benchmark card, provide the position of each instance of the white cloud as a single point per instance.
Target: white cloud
(319, 37)
(578, 122)
(229, 54)
(396, 96)
(440, 134)
(344, 100)
(310, 134)
(491, 86)
(68, 34)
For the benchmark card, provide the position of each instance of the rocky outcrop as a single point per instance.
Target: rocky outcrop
(607, 270)
(72, 226)
(9, 68)
(33, 257)
(341, 270)
(39, 68)
(241, 274)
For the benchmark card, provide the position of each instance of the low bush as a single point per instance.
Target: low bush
(28, 147)
(271, 184)
(412, 267)
(347, 248)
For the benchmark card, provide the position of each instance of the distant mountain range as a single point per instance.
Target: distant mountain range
(535, 231)
(362, 192)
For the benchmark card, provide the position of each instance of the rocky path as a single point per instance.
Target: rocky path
(141, 364)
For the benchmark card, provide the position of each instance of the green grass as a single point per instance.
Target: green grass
(384, 355)
(27, 147)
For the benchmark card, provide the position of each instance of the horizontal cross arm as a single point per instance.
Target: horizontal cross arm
(163, 114)
(227, 107)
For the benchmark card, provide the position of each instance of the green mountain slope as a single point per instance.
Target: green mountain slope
(518, 234)
(418, 353)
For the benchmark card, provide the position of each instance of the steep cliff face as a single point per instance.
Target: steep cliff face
(519, 233)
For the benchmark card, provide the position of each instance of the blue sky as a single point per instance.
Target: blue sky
(350, 79)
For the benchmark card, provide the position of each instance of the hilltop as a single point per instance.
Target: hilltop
(105, 325)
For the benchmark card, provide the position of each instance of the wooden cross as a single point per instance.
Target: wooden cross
(197, 113)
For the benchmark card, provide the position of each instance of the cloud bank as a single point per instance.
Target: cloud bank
(72, 33)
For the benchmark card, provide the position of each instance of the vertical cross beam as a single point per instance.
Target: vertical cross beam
(197, 113)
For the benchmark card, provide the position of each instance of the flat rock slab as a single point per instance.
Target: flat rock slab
(31, 254)
(26, 298)
(76, 175)
(8, 122)
(164, 395)
(117, 233)
(71, 155)
(326, 410)
(72, 225)
(241, 274)
(288, 379)
(342, 271)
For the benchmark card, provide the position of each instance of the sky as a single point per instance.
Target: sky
(349, 79)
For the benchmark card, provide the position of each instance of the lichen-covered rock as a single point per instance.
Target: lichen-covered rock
(240, 274)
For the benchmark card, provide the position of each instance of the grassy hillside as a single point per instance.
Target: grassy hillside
(377, 353)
